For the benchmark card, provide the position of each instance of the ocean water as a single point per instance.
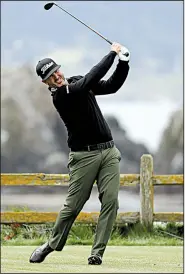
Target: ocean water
(144, 122)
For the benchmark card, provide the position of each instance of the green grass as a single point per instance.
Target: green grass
(84, 235)
(139, 241)
(117, 259)
(128, 235)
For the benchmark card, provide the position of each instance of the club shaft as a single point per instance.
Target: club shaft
(84, 24)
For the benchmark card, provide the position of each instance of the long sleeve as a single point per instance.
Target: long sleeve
(114, 83)
(95, 74)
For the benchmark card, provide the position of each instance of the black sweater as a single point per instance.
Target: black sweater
(77, 105)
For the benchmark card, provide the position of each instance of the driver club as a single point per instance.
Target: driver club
(50, 5)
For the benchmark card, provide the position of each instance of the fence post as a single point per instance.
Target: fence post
(146, 190)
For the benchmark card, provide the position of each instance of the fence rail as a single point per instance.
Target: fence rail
(85, 217)
(146, 179)
(30, 179)
(54, 179)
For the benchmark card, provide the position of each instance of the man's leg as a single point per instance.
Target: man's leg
(83, 167)
(108, 183)
(83, 171)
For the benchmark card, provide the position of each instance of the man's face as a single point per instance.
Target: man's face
(56, 80)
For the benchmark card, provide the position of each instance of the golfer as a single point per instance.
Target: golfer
(93, 155)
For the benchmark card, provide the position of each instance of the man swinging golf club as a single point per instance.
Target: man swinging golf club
(93, 155)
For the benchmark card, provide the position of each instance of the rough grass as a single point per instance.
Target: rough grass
(139, 241)
(117, 259)
(128, 235)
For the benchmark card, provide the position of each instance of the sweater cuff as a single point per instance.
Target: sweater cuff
(113, 52)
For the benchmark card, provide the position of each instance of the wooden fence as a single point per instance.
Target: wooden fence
(146, 179)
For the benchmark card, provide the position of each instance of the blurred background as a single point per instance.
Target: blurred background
(145, 115)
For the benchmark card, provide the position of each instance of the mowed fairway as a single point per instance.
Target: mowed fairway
(117, 259)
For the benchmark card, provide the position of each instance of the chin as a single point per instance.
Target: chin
(60, 85)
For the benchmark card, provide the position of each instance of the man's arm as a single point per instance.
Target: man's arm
(114, 83)
(96, 73)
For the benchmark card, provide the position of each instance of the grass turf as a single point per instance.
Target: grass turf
(117, 259)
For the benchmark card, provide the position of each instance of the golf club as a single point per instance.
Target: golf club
(50, 5)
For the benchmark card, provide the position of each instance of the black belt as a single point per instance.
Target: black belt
(95, 147)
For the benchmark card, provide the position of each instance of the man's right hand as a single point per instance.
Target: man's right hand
(116, 47)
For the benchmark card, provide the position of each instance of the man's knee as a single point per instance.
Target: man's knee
(108, 196)
(109, 201)
(69, 211)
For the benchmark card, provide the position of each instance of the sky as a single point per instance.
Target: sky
(152, 31)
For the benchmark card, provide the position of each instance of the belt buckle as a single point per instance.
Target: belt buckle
(101, 146)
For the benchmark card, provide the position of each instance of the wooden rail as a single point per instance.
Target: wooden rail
(146, 179)
(84, 217)
(19, 179)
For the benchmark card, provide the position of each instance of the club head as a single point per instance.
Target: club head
(48, 6)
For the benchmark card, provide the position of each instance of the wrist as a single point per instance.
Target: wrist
(113, 51)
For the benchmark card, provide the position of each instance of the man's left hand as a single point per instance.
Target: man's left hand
(124, 54)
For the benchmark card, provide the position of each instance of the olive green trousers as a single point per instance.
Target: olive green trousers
(85, 168)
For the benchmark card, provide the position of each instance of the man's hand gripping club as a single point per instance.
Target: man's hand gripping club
(123, 52)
